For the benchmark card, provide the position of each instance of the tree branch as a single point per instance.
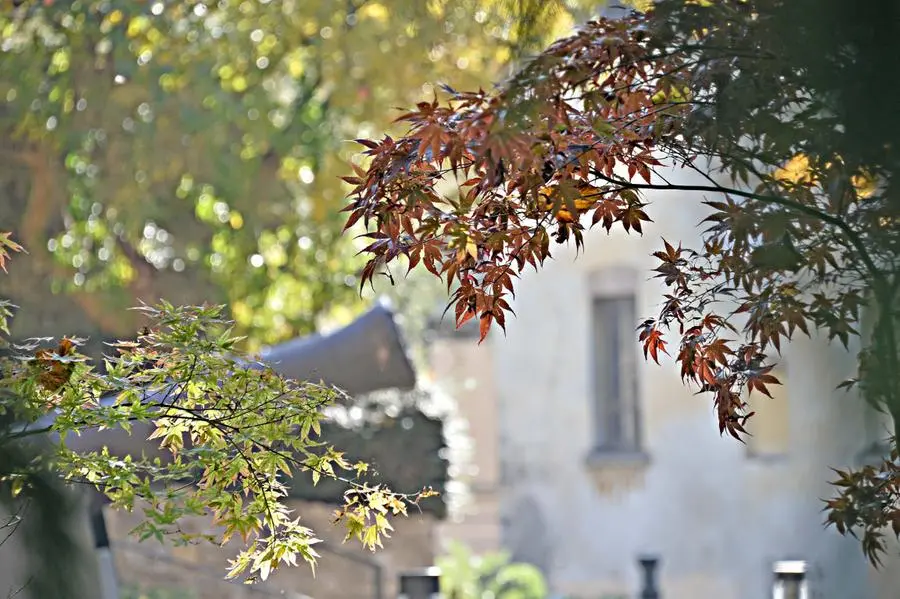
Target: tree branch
(852, 236)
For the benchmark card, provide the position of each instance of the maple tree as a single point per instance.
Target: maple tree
(801, 231)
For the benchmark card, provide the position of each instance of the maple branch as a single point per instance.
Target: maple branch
(882, 289)
(25, 432)
(852, 236)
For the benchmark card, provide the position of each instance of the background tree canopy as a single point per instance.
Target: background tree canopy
(191, 150)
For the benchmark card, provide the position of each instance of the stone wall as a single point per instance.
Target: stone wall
(343, 571)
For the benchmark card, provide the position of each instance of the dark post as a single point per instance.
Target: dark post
(649, 590)
(379, 582)
(420, 584)
(98, 527)
(107, 569)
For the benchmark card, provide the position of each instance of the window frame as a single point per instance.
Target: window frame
(615, 287)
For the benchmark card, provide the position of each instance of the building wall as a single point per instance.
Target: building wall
(341, 573)
(199, 570)
(717, 517)
(17, 568)
(465, 370)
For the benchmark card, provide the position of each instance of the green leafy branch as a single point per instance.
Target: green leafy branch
(225, 433)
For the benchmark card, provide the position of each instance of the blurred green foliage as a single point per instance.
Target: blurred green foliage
(467, 576)
(191, 150)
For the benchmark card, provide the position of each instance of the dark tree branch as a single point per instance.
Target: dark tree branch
(852, 236)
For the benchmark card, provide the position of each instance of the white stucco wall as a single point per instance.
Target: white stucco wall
(716, 518)
(465, 370)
